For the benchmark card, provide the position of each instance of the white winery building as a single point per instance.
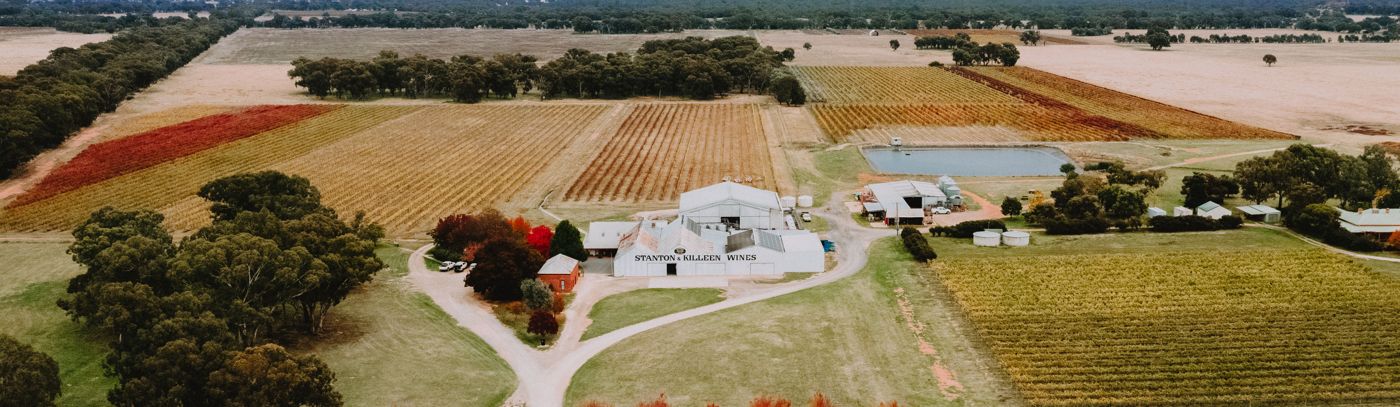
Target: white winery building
(726, 229)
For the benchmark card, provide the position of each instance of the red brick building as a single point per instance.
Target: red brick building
(561, 273)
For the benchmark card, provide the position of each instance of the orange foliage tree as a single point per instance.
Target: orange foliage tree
(659, 402)
(519, 225)
(765, 401)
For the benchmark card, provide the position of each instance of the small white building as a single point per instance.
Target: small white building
(1212, 210)
(1262, 213)
(737, 205)
(1182, 211)
(724, 229)
(1377, 222)
(906, 202)
(1155, 212)
(602, 238)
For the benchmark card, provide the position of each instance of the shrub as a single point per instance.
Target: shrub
(1188, 223)
(536, 294)
(765, 401)
(966, 229)
(1230, 222)
(1066, 226)
(659, 402)
(917, 245)
(1341, 238)
(1010, 206)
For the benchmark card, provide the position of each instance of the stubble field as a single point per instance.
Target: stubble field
(22, 46)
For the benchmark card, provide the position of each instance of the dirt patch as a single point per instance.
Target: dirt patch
(948, 384)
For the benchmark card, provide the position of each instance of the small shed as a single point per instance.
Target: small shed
(1261, 213)
(1155, 212)
(1182, 211)
(1212, 210)
(560, 272)
(986, 238)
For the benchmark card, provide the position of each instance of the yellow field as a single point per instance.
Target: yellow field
(1274, 326)
(404, 165)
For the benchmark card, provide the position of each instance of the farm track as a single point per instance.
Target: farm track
(663, 149)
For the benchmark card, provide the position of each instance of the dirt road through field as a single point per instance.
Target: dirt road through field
(544, 376)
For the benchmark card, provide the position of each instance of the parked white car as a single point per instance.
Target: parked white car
(447, 266)
(941, 211)
(806, 216)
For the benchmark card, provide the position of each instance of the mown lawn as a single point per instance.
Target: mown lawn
(32, 279)
(846, 339)
(392, 346)
(620, 310)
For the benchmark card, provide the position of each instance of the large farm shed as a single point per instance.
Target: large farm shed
(722, 229)
(910, 202)
(1376, 222)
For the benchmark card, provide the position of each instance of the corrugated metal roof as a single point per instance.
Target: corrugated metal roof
(1257, 210)
(726, 191)
(1372, 217)
(559, 264)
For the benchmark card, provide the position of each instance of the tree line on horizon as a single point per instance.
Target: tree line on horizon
(693, 67)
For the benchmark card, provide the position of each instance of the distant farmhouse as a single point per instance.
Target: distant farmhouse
(1378, 223)
(909, 202)
(722, 229)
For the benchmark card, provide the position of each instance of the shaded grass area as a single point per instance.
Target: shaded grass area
(623, 309)
(516, 315)
(845, 339)
(34, 277)
(391, 345)
(835, 169)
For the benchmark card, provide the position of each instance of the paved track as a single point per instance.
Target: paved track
(544, 376)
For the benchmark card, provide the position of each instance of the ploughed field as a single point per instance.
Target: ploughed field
(661, 150)
(993, 104)
(405, 166)
(1251, 326)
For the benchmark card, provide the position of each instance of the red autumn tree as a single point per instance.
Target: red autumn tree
(542, 323)
(454, 233)
(539, 239)
(765, 401)
(520, 226)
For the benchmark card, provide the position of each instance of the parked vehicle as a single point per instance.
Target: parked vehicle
(806, 216)
(941, 211)
(447, 266)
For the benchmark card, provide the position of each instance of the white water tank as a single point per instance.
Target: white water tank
(985, 238)
(788, 201)
(1016, 238)
(804, 201)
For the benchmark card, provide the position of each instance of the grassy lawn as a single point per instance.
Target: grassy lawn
(847, 339)
(391, 345)
(620, 310)
(35, 275)
(517, 316)
(835, 170)
(1114, 242)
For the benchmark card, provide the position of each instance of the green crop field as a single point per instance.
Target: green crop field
(1172, 327)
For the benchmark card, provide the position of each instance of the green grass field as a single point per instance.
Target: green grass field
(620, 310)
(847, 339)
(390, 345)
(35, 275)
(1114, 242)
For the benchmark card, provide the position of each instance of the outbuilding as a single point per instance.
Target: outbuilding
(1261, 213)
(1377, 223)
(736, 205)
(1155, 212)
(904, 202)
(560, 272)
(1212, 210)
(602, 237)
(1182, 211)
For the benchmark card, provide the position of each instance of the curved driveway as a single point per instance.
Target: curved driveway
(544, 376)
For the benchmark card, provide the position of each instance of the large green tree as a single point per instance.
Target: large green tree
(286, 196)
(268, 375)
(567, 241)
(28, 378)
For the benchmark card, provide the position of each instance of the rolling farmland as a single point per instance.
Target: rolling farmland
(930, 105)
(664, 149)
(1172, 121)
(403, 165)
(1261, 326)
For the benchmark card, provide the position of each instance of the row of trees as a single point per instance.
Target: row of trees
(507, 252)
(196, 323)
(692, 67)
(1245, 39)
(1156, 37)
(917, 246)
(465, 78)
(1004, 54)
(1106, 195)
(47, 102)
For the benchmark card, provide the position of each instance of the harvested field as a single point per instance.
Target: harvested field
(113, 158)
(279, 46)
(849, 84)
(24, 46)
(930, 105)
(1171, 121)
(1260, 326)
(664, 149)
(404, 166)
